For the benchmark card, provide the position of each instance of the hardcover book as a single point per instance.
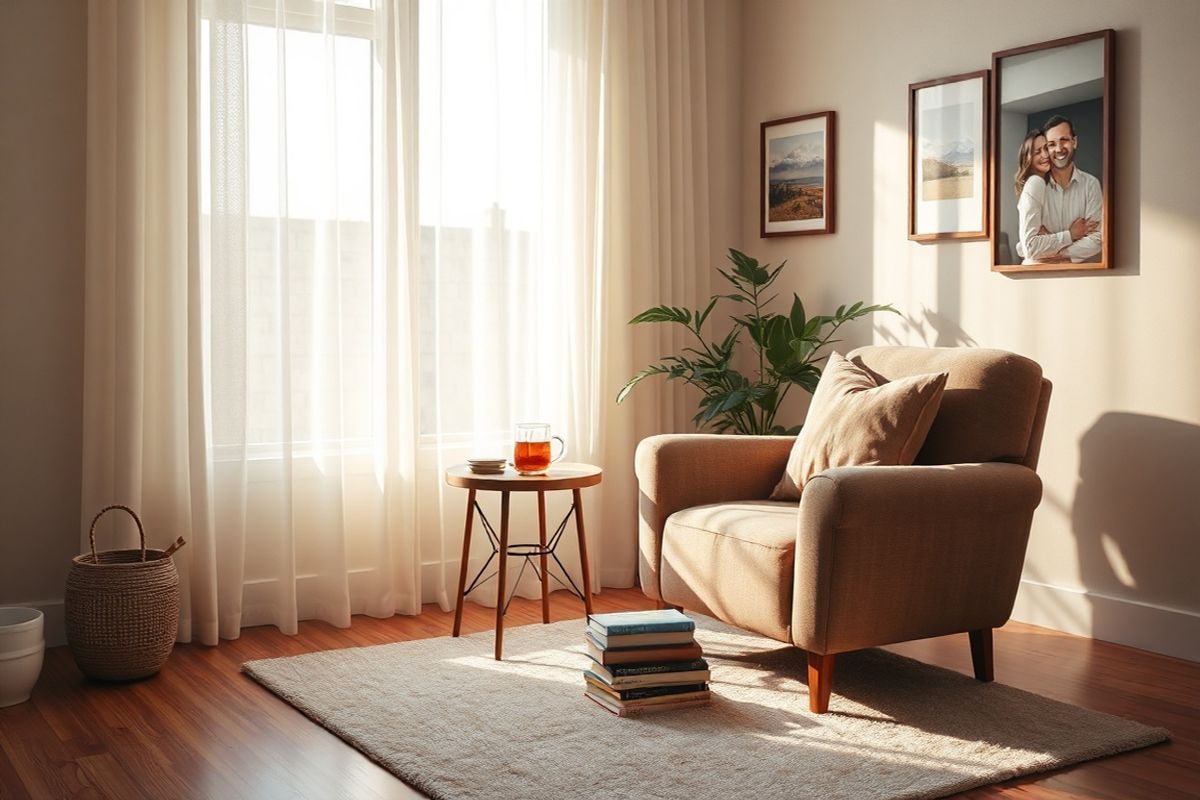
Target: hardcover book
(640, 639)
(628, 670)
(622, 623)
(643, 692)
(636, 707)
(687, 651)
(686, 672)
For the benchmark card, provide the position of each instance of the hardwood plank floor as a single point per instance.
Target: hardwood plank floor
(202, 729)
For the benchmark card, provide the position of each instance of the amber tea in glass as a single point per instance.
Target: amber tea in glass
(531, 448)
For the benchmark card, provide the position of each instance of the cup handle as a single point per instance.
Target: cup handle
(561, 452)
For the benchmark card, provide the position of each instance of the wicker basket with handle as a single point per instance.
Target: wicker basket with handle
(122, 608)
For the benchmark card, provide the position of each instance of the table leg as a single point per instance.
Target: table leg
(545, 574)
(500, 595)
(583, 554)
(466, 553)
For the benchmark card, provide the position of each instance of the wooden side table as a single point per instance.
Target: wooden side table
(559, 477)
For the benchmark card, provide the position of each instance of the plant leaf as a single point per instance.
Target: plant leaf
(654, 369)
(703, 315)
(663, 314)
(802, 348)
(778, 340)
(796, 316)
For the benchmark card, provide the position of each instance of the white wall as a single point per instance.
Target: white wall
(43, 50)
(1115, 546)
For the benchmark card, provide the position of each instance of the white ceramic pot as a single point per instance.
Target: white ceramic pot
(21, 651)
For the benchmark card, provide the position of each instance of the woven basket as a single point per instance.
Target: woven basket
(122, 608)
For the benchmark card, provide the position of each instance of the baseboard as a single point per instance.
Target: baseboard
(1146, 626)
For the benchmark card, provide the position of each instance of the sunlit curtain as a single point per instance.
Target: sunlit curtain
(310, 287)
(145, 438)
(562, 190)
(251, 305)
(306, 159)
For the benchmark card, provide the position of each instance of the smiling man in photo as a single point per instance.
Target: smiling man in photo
(1074, 200)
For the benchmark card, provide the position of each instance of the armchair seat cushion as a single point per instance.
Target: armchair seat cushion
(734, 561)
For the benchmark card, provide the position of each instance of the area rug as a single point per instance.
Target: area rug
(446, 718)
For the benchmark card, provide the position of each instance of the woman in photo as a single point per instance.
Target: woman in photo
(1033, 161)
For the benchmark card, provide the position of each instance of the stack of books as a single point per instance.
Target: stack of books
(644, 661)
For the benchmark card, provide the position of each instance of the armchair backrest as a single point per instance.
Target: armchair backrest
(994, 408)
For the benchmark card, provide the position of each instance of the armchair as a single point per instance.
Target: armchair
(871, 555)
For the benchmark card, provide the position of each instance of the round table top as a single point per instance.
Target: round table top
(563, 475)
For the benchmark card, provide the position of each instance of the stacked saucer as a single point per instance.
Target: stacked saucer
(487, 466)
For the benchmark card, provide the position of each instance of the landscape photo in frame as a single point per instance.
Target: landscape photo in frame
(797, 175)
(948, 164)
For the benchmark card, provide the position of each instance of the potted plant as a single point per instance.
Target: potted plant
(788, 349)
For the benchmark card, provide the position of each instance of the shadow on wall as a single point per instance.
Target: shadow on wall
(945, 331)
(1136, 515)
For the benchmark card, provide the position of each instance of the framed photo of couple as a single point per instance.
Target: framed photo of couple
(1052, 163)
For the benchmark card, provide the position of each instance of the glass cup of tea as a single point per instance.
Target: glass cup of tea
(531, 448)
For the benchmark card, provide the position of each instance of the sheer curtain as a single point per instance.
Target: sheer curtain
(562, 190)
(308, 291)
(310, 269)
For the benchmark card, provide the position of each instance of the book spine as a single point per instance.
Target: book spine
(644, 692)
(644, 627)
(660, 691)
(625, 670)
(657, 639)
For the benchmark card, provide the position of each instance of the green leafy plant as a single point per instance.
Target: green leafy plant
(788, 348)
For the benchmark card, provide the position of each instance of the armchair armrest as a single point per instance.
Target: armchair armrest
(889, 554)
(677, 471)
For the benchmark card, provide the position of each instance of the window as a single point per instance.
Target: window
(288, 99)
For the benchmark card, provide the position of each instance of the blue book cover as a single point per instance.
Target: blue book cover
(623, 623)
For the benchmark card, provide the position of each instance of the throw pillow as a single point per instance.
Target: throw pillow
(855, 420)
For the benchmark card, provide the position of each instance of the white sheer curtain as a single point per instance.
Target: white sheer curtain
(509, 99)
(296, 317)
(562, 190)
(312, 360)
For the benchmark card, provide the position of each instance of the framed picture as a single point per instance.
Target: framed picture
(797, 177)
(947, 165)
(1052, 164)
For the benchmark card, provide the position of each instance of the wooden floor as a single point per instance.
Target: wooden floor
(202, 729)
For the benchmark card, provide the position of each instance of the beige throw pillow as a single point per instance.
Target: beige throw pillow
(854, 420)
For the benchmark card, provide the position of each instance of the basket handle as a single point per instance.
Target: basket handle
(127, 509)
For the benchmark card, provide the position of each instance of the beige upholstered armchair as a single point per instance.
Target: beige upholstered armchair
(871, 555)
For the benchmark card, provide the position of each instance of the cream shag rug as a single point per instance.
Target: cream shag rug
(446, 718)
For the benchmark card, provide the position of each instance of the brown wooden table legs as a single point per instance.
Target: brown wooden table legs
(466, 553)
(583, 554)
(543, 550)
(545, 573)
(500, 597)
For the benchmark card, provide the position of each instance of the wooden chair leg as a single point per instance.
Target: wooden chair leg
(820, 681)
(981, 654)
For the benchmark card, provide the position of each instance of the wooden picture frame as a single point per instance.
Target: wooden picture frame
(948, 164)
(797, 182)
(1041, 224)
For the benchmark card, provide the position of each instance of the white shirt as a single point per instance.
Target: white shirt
(1044, 202)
